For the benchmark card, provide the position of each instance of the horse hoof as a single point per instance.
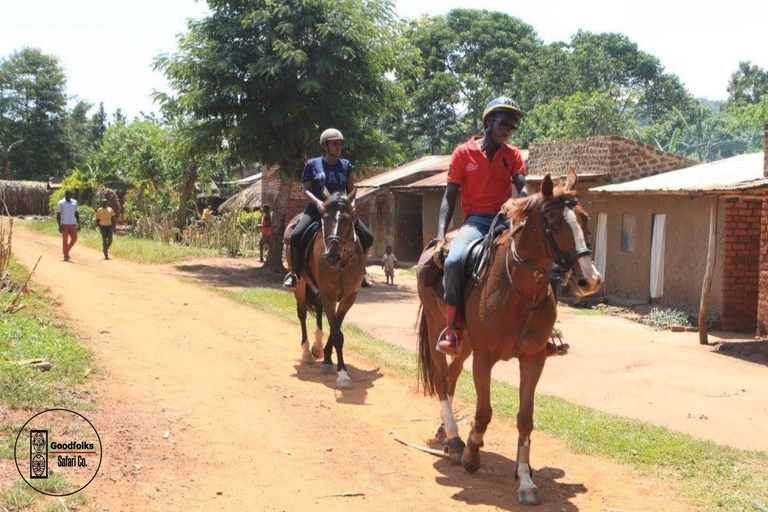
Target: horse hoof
(317, 351)
(327, 369)
(343, 381)
(306, 356)
(529, 496)
(441, 436)
(470, 465)
(455, 449)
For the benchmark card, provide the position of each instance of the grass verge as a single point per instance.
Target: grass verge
(34, 333)
(710, 476)
(140, 250)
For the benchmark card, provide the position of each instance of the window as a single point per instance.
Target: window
(628, 232)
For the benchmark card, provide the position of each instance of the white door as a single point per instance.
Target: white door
(658, 222)
(601, 243)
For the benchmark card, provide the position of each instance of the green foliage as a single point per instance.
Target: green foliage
(268, 76)
(748, 85)
(81, 183)
(663, 318)
(87, 217)
(33, 110)
(249, 221)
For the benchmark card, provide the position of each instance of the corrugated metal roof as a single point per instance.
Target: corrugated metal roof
(434, 163)
(729, 174)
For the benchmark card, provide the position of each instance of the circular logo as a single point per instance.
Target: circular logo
(58, 452)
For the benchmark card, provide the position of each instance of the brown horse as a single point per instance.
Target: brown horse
(509, 313)
(330, 280)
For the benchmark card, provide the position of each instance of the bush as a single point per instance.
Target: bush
(79, 183)
(87, 216)
(663, 318)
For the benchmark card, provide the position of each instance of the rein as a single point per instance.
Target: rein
(560, 272)
(346, 248)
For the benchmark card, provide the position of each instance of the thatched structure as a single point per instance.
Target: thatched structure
(24, 197)
(247, 199)
(111, 197)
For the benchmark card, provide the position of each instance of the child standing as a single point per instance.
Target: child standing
(388, 263)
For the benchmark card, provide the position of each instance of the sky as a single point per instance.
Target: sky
(106, 47)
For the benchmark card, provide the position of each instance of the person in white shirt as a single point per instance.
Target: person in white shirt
(388, 263)
(68, 219)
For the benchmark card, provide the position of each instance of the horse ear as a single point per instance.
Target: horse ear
(351, 196)
(571, 179)
(547, 186)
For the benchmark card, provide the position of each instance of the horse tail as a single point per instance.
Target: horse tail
(425, 374)
(310, 297)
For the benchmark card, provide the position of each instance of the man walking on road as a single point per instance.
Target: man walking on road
(105, 219)
(68, 219)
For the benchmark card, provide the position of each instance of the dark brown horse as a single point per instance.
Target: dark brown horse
(329, 282)
(509, 313)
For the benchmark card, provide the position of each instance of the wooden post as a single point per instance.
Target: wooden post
(710, 270)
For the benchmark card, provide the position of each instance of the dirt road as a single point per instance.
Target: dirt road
(204, 406)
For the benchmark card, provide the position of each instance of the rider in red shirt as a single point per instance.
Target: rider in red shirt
(484, 168)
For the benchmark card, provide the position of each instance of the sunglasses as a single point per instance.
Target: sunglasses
(514, 125)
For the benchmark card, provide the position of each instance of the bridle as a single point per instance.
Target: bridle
(334, 237)
(561, 270)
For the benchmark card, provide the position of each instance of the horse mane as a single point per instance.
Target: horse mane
(337, 197)
(517, 209)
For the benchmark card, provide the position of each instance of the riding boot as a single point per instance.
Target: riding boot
(450, 343)
(366, 282)
(554, 349)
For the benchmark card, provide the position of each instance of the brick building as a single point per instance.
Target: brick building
(657, 233)
(598, 161)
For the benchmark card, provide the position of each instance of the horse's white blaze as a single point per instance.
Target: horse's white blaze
(588, 270)
(336, 227)
(449, 422)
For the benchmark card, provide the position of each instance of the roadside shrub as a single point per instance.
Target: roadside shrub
(87, 216)
(663, 318)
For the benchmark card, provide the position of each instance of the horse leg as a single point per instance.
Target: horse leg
(343, 381)
(301, 311)
(448, 433)
(481, 372)
(317, 347)
(329, 306)
(530, 371)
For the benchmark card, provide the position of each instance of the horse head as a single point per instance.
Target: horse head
(338, 226)
(564, 224)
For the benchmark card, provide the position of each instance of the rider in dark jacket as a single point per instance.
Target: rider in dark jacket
(329, 173)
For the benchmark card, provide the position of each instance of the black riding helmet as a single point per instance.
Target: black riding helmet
(502, 104)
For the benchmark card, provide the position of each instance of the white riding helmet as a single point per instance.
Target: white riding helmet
(330, 134)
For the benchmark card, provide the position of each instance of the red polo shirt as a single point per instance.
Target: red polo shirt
(485, 186)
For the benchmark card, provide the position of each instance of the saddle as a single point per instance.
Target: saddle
(474, 261)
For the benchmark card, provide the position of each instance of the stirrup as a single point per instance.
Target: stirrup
(456, 348)
(291, 280)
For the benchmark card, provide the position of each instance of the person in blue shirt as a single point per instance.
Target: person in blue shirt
(334, 174)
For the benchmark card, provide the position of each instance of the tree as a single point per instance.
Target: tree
(748, 84)
(33, 108)
(263, 78)
(463, 60)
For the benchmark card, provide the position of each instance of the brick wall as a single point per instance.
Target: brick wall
(270, 183)
(618, 157)
(762, 298)
(741, 264)
(762, 302)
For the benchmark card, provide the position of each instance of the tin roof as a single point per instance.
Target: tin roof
(737, 173)
(431, 163)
